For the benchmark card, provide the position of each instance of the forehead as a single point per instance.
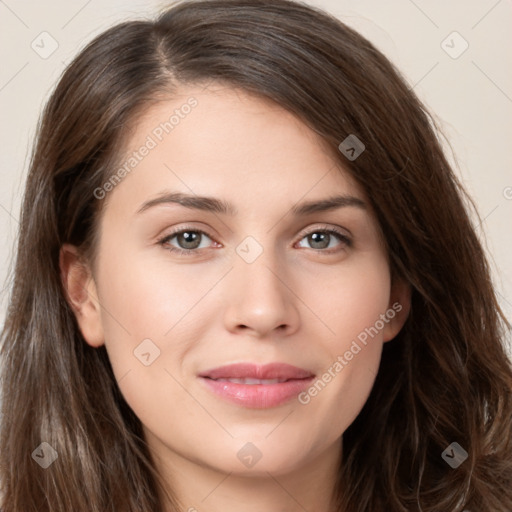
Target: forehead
(226, 142)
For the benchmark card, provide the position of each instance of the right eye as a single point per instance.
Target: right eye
(188, 240)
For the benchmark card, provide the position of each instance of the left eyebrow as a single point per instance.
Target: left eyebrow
(331, 203)
(212, 204)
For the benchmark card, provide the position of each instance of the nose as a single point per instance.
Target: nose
(261, 301)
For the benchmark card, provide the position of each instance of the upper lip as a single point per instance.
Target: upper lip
(250, 370)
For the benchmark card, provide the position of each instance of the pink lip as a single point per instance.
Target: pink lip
(257, 396)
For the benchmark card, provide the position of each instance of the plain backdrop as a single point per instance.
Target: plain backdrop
(453, 54)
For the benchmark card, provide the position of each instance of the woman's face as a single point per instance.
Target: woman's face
(259, 275)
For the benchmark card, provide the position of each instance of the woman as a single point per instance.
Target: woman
(246, 279)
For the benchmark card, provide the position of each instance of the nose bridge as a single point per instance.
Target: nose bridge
(258, 269)
(259, 297)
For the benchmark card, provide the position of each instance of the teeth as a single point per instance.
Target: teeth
(253, 381)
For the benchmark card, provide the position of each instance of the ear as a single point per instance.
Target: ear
(81, 294)
(398, 308)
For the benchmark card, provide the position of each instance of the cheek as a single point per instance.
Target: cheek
(350, 299)
(149, 327)
(352, 307)
(146, 300)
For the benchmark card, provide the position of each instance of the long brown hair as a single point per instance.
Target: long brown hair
(445, 378)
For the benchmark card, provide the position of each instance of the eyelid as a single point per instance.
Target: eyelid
(326, 227)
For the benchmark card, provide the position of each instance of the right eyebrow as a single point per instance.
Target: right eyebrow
(210, 204)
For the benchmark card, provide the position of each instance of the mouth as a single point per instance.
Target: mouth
(257, 386)
(252, 382)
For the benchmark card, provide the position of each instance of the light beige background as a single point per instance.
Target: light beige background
(470, 96)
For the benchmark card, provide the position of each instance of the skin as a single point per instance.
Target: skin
(293, 304)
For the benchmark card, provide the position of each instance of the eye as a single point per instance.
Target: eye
(320, 239)
(187, 239)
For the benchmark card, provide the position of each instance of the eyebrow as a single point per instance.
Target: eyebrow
(212, 204)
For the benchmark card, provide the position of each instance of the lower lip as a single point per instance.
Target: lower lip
(258, 396)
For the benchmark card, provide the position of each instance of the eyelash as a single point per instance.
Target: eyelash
(344, 239)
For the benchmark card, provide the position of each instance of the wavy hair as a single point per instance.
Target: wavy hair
(445, 377)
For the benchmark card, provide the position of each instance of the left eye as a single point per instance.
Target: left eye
(321, 239)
